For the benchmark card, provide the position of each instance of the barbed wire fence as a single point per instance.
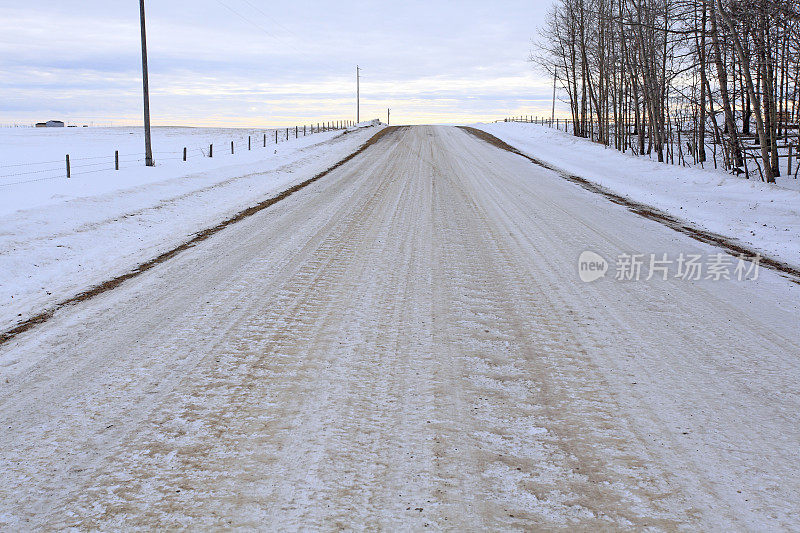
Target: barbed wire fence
(70, 167)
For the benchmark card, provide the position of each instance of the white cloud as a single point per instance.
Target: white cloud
(280, 63)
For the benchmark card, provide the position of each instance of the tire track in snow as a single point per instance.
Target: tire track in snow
(45, 315)
(730, 245)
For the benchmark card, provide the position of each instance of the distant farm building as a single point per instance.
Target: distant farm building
(50, 124)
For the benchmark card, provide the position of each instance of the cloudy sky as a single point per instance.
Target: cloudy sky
(258, 63)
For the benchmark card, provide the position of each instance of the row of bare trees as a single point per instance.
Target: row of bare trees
(677, 78)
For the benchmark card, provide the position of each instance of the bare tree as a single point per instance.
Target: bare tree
(653, 75)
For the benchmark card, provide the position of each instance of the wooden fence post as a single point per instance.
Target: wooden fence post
(69, 175)
(116, 159)
(248, 142)
(276, 135)
(265, 140)
(231, 147)
(295, 132)
(184, 154)
(211, 150)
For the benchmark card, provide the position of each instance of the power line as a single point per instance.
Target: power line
(277, 37)
(267, 16)
(249, 21)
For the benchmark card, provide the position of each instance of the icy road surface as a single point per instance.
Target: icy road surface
(406, 343)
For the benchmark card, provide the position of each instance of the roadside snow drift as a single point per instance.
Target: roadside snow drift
(763, 217)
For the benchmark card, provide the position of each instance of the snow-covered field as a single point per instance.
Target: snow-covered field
(763, 217)
(33, 160)
(60, 236)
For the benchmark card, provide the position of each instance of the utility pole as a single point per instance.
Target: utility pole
(553, 113)
(358, 94)
(148, 150)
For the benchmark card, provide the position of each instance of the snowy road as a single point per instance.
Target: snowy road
(406, 343)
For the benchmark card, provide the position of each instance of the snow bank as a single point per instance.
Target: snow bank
(761, 216)
(59, 237)
(366, 124)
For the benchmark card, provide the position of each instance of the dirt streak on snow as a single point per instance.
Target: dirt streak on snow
(54, 247)
(761, 216)
(404, 344)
